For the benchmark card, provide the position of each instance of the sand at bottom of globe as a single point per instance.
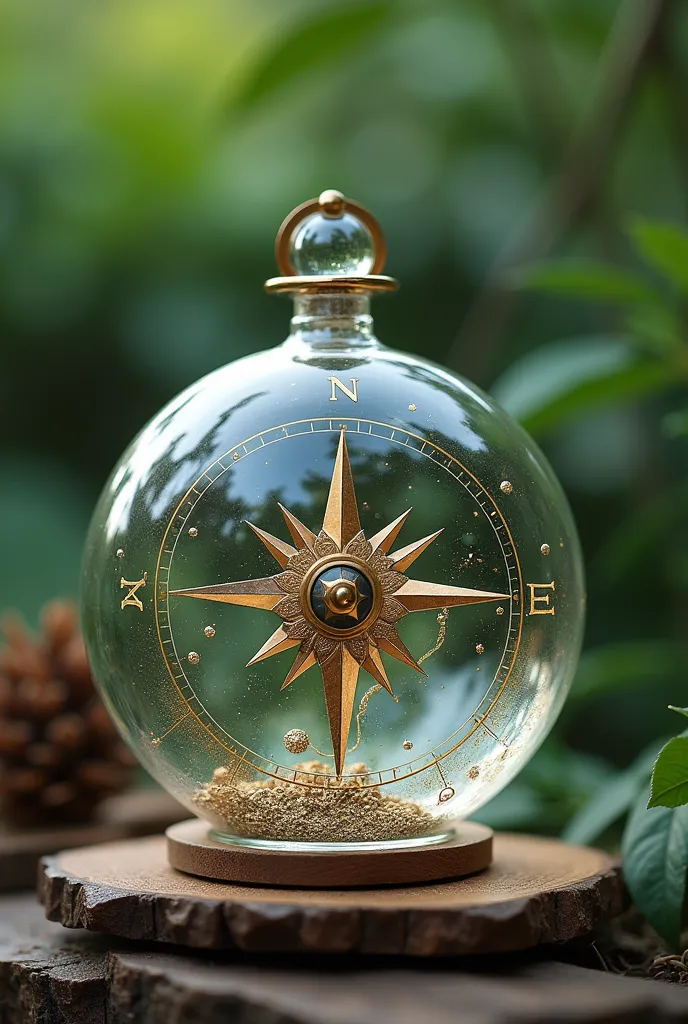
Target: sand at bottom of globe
(345, 811)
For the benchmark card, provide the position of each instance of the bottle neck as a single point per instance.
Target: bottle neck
(334, 322)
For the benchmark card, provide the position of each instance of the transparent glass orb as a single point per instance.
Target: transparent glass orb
(332, 245)
(288, 649)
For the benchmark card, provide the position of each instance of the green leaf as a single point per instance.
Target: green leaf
(675, 424)
(555, 383)
(670, 776)
(517, 807)
(587, 279)
(320, 40)
(681, 711)
(623, 665)
(611, 801)
(664, 246)
(550, 789)
(655, 328)
(655, 853)
(639, 535)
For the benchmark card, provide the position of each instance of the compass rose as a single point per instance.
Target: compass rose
(340, 596)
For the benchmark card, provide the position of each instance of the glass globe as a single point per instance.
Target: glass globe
(332, 593)
(336, 246)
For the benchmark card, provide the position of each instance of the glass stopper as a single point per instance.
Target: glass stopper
(340, 245)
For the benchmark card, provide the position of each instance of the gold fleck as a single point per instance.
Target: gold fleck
(412, 408)
(506, 486)
(296, 741)
(155, 742)
(193, 532)
(407, 745)
(476, 514)
(544, 548)
(473, 772)
(236, 456)
(209, 631)
(479, 648)
(120, 552)
(193, 657)
(500, 610)
(446, 794)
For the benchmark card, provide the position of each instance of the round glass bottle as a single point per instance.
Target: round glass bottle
(332, 593)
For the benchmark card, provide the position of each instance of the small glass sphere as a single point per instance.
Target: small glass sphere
(332, 245)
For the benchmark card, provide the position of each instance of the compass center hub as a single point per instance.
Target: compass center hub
(341, 596)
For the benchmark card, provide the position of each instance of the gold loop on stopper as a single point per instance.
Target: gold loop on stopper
(333, 205)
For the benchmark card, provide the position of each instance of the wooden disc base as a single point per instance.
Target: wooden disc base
(536, 891)
(191, 849)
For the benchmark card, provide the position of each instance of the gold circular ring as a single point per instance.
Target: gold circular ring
(323, 204)
(328, 283)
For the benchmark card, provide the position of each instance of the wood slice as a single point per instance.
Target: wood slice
(55, 976)
(47, 974)
(164, 988)
(190, 848)
(138, 813)
(536, 891)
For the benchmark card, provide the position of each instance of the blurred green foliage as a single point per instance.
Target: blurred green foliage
(525, 157)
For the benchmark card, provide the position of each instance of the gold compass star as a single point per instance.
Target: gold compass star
(340, 596)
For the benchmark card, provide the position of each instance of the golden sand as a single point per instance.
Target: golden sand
(345, 811)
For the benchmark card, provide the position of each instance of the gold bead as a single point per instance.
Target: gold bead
(332, 203)
(344, 596)
(297, 741)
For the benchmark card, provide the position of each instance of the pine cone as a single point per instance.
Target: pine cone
(60, 754)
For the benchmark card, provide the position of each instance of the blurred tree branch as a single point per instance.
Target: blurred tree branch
(671, 73)
(575, 190)
(535, 72)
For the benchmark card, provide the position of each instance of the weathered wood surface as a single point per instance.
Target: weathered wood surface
(139, 813)
(537, 891)
(173, 991)
(47, 974)
(53, 976)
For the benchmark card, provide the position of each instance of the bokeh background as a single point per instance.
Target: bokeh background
(150, 148)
